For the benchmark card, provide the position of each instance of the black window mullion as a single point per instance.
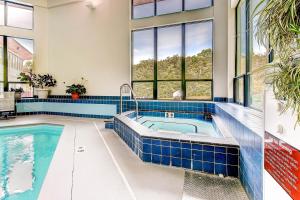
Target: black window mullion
(155, 63)
(5, 63)
(155, 6)
(248, 51)
(183, 81)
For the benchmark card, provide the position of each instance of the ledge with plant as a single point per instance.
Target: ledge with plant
(40, 82)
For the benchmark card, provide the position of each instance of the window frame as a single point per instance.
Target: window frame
(183, 58)
(5, 81)
(6, 14)
(155, 9)
(248, 71)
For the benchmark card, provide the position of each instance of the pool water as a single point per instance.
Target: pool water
(178, 125)
(25, 155)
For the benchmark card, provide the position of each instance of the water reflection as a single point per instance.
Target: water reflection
(17, 163)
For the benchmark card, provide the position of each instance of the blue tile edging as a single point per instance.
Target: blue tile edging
(251, 150)
(65, 114)
(199, 156)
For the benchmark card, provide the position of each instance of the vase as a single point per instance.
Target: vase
(75, 96)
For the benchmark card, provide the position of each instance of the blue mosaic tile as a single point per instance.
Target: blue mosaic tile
(232, 159)
(175, 144)
(197, 146)
(221, 169)
(166, 151)
(220, 149)
(176, 152)
(186, 145)
(208, 167)
(197, 165)
(232, 150)
(156, 159)
(186, 153)
(146, 157)
(186, 163)
(176, 162)
(147, 148)
(166, 160)
(208, 148)
(220, 158)
(208, 156)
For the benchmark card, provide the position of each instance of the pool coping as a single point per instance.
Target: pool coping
(143, 131)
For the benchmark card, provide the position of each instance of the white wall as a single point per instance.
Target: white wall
(93, 44)
(73, 41)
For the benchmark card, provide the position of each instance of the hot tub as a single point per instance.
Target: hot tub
(185, 141)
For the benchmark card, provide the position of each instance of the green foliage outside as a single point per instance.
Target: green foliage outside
(197, 67)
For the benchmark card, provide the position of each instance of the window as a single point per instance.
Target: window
(172, 58)
(142, 8)
(168, 6)
(248, 83)
(19, 53)
(196, 4)
(1, 13)
(259, 56)
(143, 63)
(198, 60)
(150, 8)
(16, 15)
(169, 58)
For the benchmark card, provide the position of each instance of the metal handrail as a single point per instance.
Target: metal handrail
(134, 97)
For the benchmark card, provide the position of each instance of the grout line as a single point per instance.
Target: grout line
(73, 169)
(116, 164)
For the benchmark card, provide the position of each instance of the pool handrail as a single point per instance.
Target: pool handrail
(134, 97)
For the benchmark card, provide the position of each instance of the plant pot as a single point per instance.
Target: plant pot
(42, 93)
(18, 95)
(75, 96)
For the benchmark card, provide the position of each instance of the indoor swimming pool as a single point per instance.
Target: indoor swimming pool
(25, 155)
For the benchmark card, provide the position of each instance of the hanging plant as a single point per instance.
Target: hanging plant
(278, 28)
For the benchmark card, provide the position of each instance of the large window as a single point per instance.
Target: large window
(16, 15)
(249, 81)
(149, 8)
(16, 57)
(172, 58)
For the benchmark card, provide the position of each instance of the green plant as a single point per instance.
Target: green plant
(278, 27)
(278, 24)
(77, 88)
(17, 90)
(285, 80)
(37, 80)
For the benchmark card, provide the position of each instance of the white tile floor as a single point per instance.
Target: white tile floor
(101, 167)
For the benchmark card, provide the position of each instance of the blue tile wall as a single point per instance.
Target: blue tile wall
(204, 157)
(251, 155)
(199, 110)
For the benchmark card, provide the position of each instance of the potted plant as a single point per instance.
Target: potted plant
(40, 82)
(18, 92)
(278, 27)
(76, 90)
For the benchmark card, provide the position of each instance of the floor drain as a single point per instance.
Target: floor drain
(80, 149)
